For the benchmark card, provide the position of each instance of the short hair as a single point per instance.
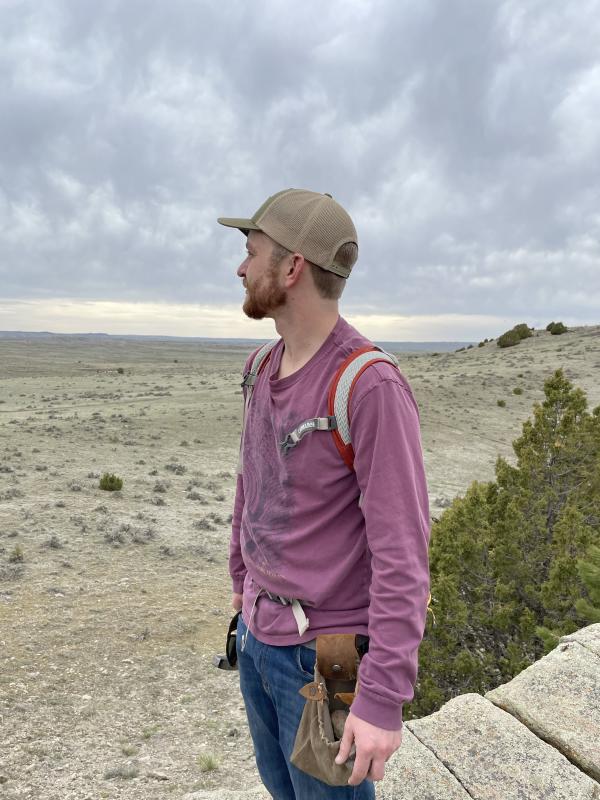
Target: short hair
(329, 285)
(278, 253)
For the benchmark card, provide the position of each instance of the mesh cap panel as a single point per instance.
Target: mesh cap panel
(304, 222)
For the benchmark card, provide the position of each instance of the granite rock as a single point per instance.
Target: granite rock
(558, 698)
(414, 773)
(496, 757)
(587, 637)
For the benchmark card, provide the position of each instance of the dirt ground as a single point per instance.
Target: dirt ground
(112, 604)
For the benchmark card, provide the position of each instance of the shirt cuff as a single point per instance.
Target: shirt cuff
(377, 710)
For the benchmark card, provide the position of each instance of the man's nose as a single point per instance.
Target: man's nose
(241, 270)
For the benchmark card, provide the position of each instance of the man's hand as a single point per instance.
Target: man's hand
(373, 748)
(236, 601)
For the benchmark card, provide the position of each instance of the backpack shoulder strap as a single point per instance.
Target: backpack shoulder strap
(259, 361)
(340, 392)
(338, 400)
(261, 356)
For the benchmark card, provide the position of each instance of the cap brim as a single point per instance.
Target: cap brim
(243, 225)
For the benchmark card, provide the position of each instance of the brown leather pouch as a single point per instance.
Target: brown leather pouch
(328, 699)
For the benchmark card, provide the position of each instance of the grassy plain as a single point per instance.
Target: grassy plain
(113, 603)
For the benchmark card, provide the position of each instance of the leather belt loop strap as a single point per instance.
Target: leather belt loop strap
(337, 656)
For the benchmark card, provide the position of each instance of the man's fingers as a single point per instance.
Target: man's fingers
(377, 770)
(373, 748)
(361, 768)
(342, 756)
(345, 744)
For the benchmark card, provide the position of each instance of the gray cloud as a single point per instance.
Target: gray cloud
(463, 137)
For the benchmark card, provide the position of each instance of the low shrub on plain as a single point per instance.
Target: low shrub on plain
(16, 555)
(509, 339)
(557, 328)
(110, 482)
(514, 335)
(523, 330)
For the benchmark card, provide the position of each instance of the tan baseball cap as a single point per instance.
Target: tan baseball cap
(304, 222)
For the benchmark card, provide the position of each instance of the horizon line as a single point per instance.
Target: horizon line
(209, 338)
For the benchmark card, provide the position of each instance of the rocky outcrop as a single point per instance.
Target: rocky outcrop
(558, 699)
(415, 772)
(494, 756)
(534, 738)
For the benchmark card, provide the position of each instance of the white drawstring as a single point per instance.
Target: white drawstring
(300, 617)
(245, 634)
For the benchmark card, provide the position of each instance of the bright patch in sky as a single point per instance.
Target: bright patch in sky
(189, 319)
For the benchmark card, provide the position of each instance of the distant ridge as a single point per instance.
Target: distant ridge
(405, 347)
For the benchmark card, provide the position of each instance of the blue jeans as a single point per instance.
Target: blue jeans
(270, 680)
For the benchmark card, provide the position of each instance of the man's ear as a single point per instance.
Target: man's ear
(295, 266)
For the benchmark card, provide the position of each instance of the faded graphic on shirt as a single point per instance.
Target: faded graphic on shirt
(268, 496)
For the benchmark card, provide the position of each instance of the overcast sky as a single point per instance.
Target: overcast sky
(463, 136)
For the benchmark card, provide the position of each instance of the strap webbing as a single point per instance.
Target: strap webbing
(345, 382)
(308, 426)
(260, 359)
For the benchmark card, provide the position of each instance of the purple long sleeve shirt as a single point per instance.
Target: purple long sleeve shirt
(298, 530)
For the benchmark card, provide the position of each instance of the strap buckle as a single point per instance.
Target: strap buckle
(308, 426)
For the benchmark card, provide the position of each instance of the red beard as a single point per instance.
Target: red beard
(264, 297)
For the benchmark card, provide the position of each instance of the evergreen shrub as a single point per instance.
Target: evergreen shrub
(515, 563)
(557, 328)
(110, 482)
(16, 555)
(509, 339)
(589, 572)
(514, 335)
(523, 330)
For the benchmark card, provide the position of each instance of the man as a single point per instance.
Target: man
(348, 546)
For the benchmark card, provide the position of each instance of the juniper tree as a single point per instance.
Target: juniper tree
(589, 571)
(513, 562)
(523, 330)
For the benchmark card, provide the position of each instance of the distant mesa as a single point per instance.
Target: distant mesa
(396, 347)
(49, 334)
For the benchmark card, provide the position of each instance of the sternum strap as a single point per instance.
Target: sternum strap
(308, 426)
